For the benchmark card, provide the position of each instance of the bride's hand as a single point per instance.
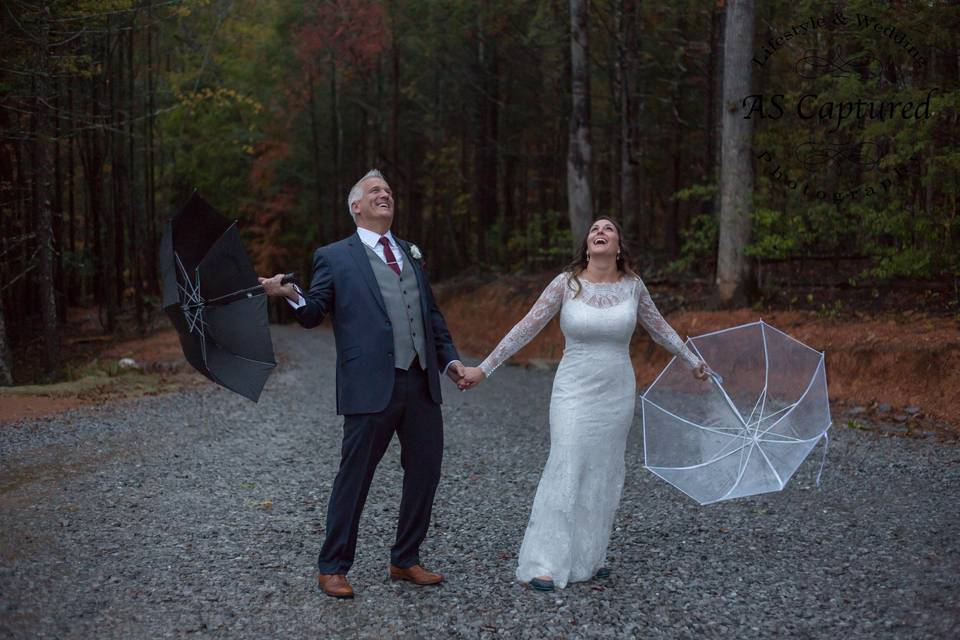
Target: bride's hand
(701, 371)
(472, 377)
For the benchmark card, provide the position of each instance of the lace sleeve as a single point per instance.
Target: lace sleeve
(661, 332)
(543, 310)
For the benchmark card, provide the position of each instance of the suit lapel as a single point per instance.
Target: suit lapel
(359, 255)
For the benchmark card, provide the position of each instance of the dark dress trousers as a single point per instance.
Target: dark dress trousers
(378, 399)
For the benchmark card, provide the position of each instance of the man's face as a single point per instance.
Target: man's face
(375, 206)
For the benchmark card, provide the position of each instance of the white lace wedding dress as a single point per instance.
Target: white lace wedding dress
(591, 410)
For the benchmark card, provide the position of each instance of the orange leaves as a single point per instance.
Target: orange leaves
(266, 228)
(352, 33)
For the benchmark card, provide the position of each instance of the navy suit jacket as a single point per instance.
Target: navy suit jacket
(344, 287)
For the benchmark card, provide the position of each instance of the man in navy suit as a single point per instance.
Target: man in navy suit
(392, 345)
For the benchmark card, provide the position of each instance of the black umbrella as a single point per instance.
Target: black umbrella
(211, 294)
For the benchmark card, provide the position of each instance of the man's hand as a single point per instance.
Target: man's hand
(702, 371)
(472, 376)
(272, 287)
(455, 372)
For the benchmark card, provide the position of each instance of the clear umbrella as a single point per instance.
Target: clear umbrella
(747, 430)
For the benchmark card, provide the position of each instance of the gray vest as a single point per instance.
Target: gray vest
(401, 295)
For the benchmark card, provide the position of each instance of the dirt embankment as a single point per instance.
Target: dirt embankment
(901, 365)
(905, 360)
(158, 367)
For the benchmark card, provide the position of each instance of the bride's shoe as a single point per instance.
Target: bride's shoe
(602, 572)
(542, 583)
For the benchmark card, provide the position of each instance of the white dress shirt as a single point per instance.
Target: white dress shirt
(372, 240)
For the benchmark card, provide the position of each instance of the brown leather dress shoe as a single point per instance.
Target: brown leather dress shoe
(335, 585)
(415, 574)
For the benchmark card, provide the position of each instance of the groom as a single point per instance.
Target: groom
(392, 343)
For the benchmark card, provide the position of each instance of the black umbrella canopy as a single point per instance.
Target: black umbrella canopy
(207, 275)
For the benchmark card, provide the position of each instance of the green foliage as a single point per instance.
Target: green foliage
(895, 200)
(699, 245)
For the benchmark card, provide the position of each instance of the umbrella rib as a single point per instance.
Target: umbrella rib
(766, 377)
(800, 399)
(719, 387)
(660, 375)
(786, 408)
(698, 426)
(736, 482)
(758, 405)
(739, 326)
(733, 442)
(237, 355)
(770, 464)
(788, 439)
(793, 441)
(792, 339)
(193, 296)
(703, 464)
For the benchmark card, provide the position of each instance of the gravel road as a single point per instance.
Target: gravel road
(200, 514)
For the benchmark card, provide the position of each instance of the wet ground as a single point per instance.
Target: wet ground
(199, 514)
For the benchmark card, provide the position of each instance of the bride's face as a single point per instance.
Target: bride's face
(603, 239)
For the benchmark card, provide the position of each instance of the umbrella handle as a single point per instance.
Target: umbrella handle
(249, 292)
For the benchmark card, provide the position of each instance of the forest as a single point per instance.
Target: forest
(725, 136)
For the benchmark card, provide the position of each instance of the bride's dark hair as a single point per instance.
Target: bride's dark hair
(575, 268)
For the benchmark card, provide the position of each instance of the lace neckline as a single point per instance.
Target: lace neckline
(602, 284)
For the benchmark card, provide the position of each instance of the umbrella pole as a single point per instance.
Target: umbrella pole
(717, 380)
(249, 292)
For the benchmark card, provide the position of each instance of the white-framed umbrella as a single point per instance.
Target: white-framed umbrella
(747, 429)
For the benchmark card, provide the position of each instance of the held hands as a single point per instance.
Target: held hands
(455, 372)
(465, 377)
(272, 287)
(472, 376)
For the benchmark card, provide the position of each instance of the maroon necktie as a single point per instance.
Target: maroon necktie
(388, 253)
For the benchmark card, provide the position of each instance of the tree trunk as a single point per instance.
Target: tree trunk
(485, 145)
(104, 227)
(674, 218)
(317, 162)
(59, 281)
(734, 278)
(579, 200)
(715, 103)
(118, 173)
(149, 166)
(48, 301)
(6, 377)
(336, 135)
(73, 283)
(92, 159)
(626, 74)
(136, 206)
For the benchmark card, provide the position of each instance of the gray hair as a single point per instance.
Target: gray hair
(357, 191)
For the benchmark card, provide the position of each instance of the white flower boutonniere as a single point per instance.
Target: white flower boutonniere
(415, 252)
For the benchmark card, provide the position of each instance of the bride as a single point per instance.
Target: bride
(599, 298)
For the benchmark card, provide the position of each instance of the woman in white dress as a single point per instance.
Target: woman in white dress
(600, 299)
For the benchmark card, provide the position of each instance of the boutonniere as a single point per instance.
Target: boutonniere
(415, 252)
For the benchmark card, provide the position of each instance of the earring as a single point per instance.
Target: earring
(588, 257)
(618, 254)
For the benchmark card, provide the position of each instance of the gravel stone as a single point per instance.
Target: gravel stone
(200, 514)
